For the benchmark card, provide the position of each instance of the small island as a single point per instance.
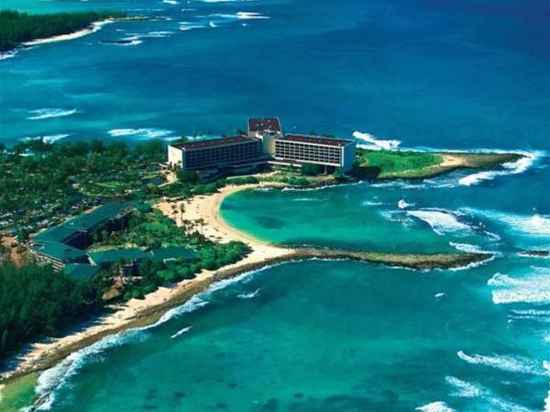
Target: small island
(122, 233)
(22, 29)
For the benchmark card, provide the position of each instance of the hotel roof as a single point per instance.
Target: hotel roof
(261, 125)
(85, 221)
(60, 251)
(211, 143)
(328, 141)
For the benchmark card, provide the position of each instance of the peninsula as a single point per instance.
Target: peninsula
(131, 232)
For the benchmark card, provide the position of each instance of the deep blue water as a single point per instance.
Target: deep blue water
(325, 336)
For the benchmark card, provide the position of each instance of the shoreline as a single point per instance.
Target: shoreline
(459, 160)
(92, 28)
(205, 209)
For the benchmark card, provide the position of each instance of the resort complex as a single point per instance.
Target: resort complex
(65, 247)
(264, 143)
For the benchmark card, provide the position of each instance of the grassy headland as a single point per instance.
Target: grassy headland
(385, 164)
(17, 28)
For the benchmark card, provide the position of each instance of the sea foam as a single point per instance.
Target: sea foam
(510, 168)
(50, 113)
(514, 364)
(441, 221)
(149, 133)
(531, 288)
(374, 143)
(438, 406)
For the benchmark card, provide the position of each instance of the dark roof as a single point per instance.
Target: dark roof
(60, 251)
(83, 222)
(81, 270)
(112, 256)
(329, 141)
(210, 143)
(260, 125)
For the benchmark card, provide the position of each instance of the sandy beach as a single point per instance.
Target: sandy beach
(94, 27)
(138, 312)
(203, 213)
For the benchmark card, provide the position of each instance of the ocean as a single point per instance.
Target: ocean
(324, 335)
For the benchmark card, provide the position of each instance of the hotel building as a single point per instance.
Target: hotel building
(265, 142)
(218, 153)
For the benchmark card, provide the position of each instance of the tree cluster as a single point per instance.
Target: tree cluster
(17, 28)
(37, 302)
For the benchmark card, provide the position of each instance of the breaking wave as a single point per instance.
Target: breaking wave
(187, 26)
(374, 143)
(463, 389)
(506, 363)
(533, 288)
(533, 225)
(49, 138)
(440, 221)
(511, 168)
(402, 204)
(250, 295)
(180, 332)
(438, 406)
(149, 133)
(54, 379)
(50, 113)
(242, 15)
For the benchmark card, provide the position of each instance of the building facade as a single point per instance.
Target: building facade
(217, 153)
(324, 151)
(264, 142)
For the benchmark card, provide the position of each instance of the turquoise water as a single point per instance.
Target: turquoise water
(324, 335)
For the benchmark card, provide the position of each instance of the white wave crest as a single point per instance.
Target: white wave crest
(440, 221)
(180, 332)
(439, 295)
(435, 407)
(242, 15)
(506, 363)
(149, 133)
(532, 288)
(512, 168)
(250, 295)
(50, 113)
(7, 55)
(48, 139)
(187, 26)
(464, 389)
(171, 2)
(374, 143)
(53, 379)
(402, 204)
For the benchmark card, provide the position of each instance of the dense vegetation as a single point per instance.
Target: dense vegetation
(153, 230)
(42, 183)
(36, 301)
(17, 28)
(397, 163)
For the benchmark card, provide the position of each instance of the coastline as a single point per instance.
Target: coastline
(135, 313)
(92, 28)
(204, 210)
(453, 161)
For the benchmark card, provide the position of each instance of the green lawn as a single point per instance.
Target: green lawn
(398, 163)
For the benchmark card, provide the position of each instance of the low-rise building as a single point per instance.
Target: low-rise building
(65, 243)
